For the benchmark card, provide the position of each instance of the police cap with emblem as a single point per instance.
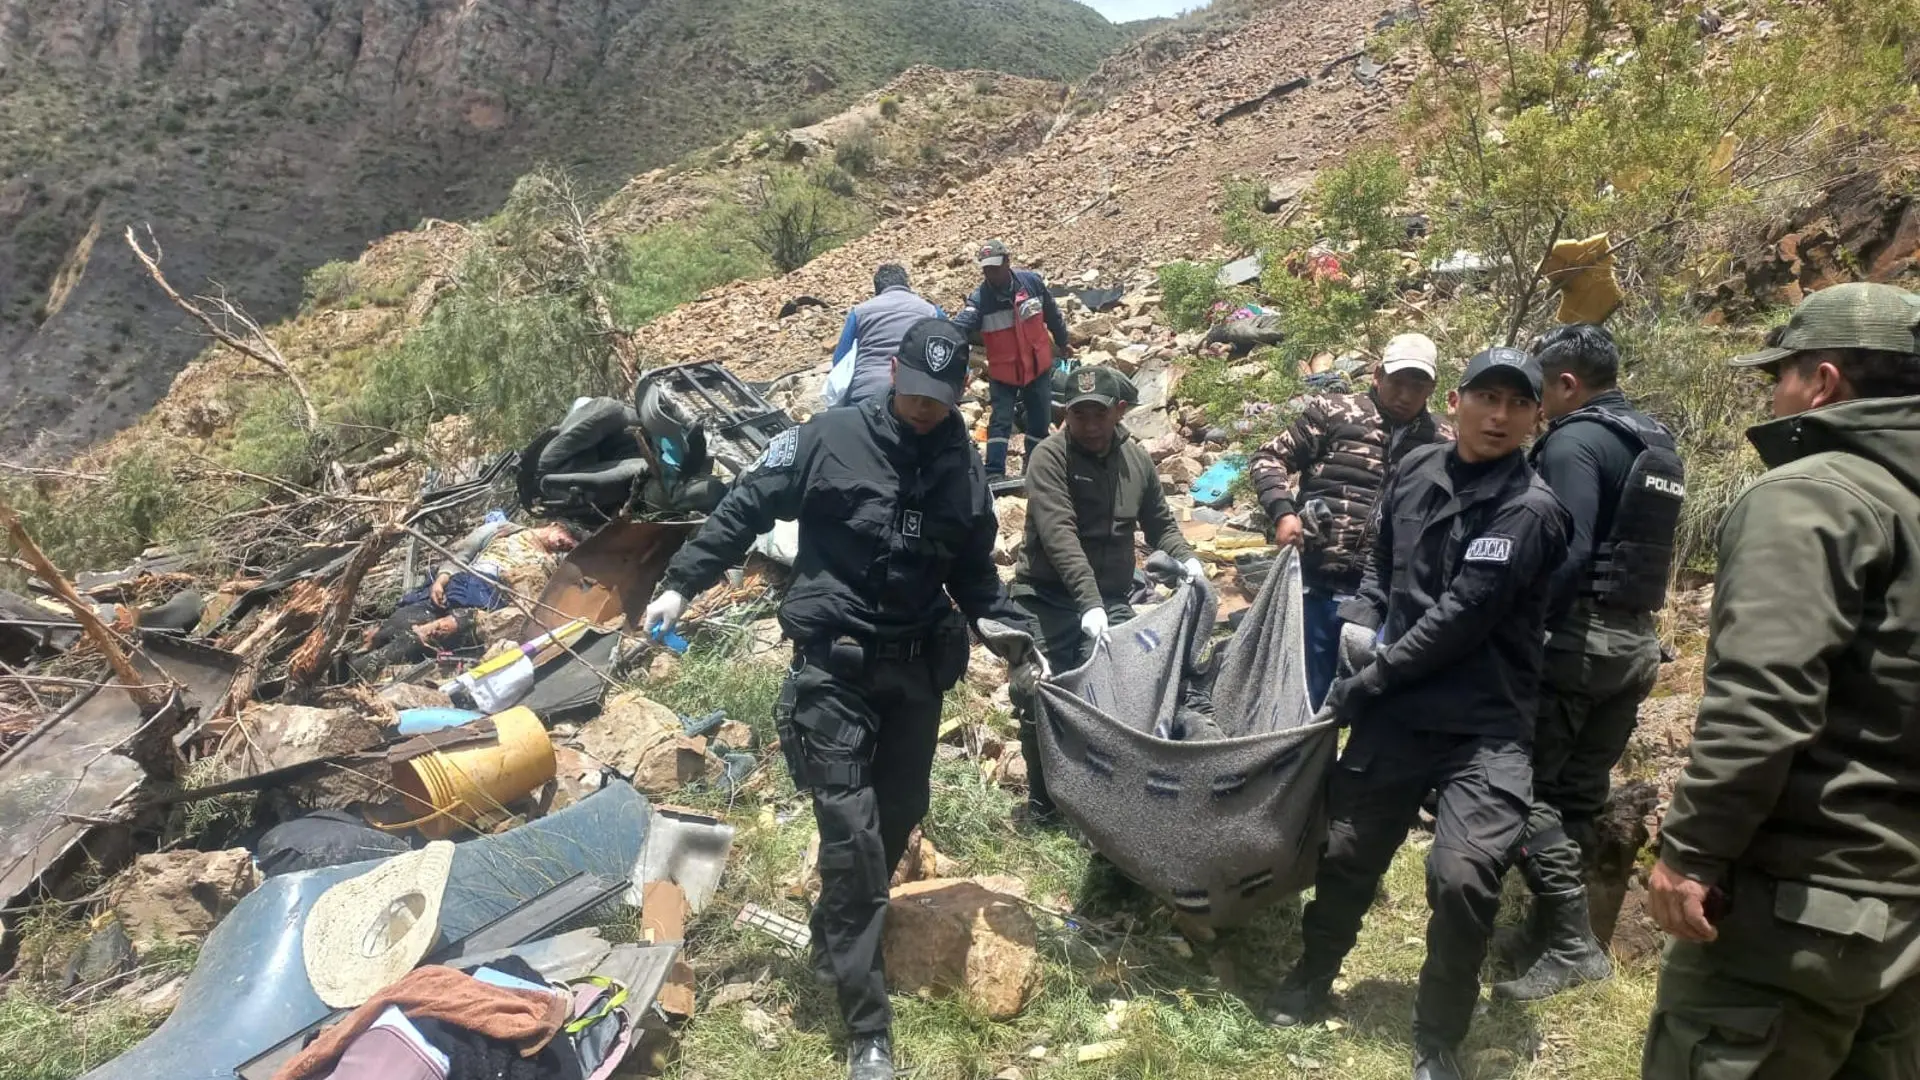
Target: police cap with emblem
(932, 361)
(1502, 364)
(1100, 384)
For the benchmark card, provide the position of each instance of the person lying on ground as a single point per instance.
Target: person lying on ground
(490, 566)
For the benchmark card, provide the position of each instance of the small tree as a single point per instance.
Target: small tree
(795, 220)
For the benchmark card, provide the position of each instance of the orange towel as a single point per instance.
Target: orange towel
(527, 1017)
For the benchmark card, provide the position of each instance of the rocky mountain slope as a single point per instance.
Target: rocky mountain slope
(263, 137)
(1106, 195)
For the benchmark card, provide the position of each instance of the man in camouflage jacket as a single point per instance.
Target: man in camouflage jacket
(1342, 447)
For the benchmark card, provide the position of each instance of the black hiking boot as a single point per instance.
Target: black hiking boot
(1435, 1063)
(1302, 999)
(1518, 946)
(1572, 954)
(871, 1058)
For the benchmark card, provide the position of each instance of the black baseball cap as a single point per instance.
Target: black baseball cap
(1502, 364)
(933, 360)
(1100, 384)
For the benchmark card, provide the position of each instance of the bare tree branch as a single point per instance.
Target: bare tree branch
(260, 349)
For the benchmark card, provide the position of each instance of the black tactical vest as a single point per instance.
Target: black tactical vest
(1633, 562)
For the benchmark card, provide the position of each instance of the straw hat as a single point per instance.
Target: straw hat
(366, 932)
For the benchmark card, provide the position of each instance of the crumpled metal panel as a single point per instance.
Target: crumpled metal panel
(608, 578)
(250, 991)
(64, 780)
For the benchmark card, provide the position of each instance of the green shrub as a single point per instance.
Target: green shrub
(270, 438)
(836, 180)
(889, 106)
(1188, 291)
(795, 220)
(857, 151)
(330, 284)
(105, 524)
(669, 265)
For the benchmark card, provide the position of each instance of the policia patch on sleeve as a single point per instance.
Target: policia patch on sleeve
(779, 453)
(1490, 549)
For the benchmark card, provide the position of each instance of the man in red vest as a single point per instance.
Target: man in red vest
(1015, 318)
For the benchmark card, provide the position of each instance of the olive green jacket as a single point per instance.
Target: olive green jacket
(1806, 754)
(1082, 512)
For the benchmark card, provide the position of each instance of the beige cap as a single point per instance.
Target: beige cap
(365, 933)
(1411, 352)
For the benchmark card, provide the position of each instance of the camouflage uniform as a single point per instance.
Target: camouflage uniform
(1342, 447)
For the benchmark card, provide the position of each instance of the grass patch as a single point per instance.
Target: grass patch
(42, 1040)
(1188, 1012)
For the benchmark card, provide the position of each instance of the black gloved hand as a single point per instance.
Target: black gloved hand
(1349, 697)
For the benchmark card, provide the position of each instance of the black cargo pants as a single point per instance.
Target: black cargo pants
(1597, 674)
(1057, 634)
(1373, 799)
(858, 725)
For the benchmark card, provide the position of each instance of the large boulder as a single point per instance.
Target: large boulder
(180, 895)
(971, 937)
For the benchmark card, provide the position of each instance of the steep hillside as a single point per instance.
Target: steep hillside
(263, 137)
(1135, 183)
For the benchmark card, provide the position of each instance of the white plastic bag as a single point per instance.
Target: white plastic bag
(840, 379)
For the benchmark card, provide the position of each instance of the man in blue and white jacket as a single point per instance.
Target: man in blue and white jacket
(876, 327)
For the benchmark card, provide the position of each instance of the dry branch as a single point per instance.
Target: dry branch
(148, 697)
(260, 349)
(311, 660)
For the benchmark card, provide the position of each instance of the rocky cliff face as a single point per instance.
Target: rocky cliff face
(260, 138)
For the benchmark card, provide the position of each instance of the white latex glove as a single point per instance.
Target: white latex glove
(664, 612)
(1195, 570)
(1094, 625)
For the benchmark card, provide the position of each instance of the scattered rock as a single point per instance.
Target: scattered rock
(575, 776)
(972, 937)
(269, 737)
(644, 740)
(180, 895)
(664, 666)
(1182, 470)
(767, 1029)
(106, 953)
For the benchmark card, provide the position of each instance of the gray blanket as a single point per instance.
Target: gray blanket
(1217, 818)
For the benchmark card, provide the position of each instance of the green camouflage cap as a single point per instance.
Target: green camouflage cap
(1860, 315)
(1099, 383)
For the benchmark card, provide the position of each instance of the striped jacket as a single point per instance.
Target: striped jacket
(1014, 326)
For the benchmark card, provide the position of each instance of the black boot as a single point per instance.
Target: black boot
(1572, 955)
(1519, 946)
(1434, 1063)
(871, 1058)
(1301, 999)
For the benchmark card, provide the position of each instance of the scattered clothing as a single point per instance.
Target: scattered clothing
(326, 838)
(524, 1019)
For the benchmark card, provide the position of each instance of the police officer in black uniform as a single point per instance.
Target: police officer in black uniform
(895, 519)
(1617, 472)
(1466, 537)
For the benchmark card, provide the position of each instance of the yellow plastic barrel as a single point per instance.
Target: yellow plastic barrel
(447, 789)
